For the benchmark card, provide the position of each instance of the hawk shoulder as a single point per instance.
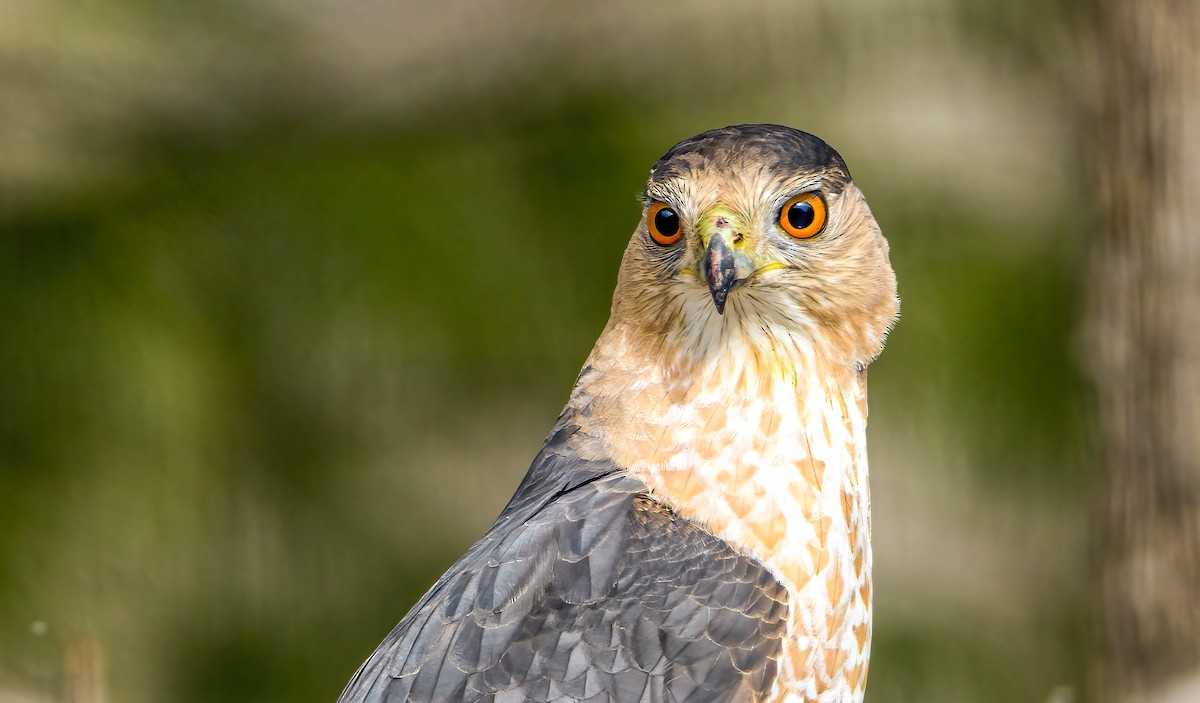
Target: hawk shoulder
(586, 588)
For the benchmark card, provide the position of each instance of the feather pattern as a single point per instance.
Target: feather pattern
(586, 589)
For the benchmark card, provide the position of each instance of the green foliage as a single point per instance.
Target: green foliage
(262, 384)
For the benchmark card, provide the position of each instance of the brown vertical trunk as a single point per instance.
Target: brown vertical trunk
(83, 664)
(1145, 340)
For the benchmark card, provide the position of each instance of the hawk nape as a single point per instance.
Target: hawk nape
(697, 526)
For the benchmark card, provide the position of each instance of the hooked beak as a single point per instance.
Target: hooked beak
(719, 271)
(724, 266)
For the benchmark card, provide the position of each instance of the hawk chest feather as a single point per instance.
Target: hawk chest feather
(776, 467)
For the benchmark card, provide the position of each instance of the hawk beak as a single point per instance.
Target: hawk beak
(719, 271)
(724, 267)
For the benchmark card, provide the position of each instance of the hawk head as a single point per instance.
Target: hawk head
(756, 235)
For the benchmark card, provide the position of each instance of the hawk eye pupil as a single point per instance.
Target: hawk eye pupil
(801, 215)
(666, 222)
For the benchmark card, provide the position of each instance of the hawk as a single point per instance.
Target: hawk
(697, 525)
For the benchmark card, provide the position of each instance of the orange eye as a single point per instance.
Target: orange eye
(803, 216)
(664, 224)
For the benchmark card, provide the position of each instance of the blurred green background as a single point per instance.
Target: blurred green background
(291, 292)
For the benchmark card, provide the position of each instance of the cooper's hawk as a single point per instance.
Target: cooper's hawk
(697, 525)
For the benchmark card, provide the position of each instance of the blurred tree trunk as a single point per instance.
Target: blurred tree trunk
(1145, 336)
(83, 669)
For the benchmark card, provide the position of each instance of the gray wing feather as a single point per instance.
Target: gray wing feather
(585, 589)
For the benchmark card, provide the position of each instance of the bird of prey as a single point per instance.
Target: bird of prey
(697, 525)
